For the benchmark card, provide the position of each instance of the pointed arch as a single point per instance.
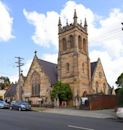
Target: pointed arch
(84, 45)
(84, 94)
(80, 42)
(71, 39)
(35, 79)
(64, 44)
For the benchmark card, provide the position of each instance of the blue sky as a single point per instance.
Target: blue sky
(29, 25)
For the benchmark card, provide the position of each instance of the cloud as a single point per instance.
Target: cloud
(51, 57)
(105, 34)
(25, 69)
(6, 22)
(13, 78)
(45, 27)
(109, 35)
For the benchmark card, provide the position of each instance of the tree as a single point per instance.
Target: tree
(119, 90)
(119, 81)
(61, 91)
(120, 96)
(4, 82)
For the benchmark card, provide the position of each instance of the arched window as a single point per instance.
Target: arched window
(104, 88)
(80, 42)
(71, 39)
(83, 67)
(84, 93)
(35, 84)
(64, 44)
(67, 67)
(97, 87)
(84, 45)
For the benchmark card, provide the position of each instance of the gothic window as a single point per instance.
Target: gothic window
(64, 44)
(80, 42)
(85, 94)
(35, 84)
(67, 67)
(83, 67)
(84, 44)
(35, 89)
(71, 39)
(97, 87)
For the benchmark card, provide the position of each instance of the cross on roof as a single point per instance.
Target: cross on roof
(35, 52)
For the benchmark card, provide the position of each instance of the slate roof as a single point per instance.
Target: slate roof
(93, 66)
(11, 91)
(50, 69)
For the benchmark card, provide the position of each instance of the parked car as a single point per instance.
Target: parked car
(3, 104)
(119, 112)
(20, 105)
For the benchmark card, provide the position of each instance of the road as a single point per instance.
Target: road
(15, 120)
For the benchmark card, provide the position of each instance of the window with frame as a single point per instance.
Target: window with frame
(84, 45)
(35, 84)
(80, 42)
(71, 39)
(36, 89)
(64, 44)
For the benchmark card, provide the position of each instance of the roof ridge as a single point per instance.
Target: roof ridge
(94, 62)
(47, 61)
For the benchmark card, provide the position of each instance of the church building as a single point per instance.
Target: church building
(73, 68)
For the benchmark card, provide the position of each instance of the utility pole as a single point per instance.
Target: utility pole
(122, 27)
(19, 65)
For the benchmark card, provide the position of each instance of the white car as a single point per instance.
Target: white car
(3, 104)
(119, 112)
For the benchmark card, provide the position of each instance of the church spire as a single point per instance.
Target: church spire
(75, 17)
(85, 25)
(59, 24)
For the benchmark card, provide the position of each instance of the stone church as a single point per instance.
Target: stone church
(73, 68)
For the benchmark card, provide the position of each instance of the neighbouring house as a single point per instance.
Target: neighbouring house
(10, 93)
(74, 68)
(2, 92)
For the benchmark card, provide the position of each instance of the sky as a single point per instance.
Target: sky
(29, 25)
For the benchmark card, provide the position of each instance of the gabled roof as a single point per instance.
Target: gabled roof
(11, 91)
(50, 69)
(93, 67)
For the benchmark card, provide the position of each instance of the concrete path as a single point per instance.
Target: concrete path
(107, 113)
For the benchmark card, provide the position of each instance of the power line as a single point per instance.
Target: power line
(108, 35)
(19, 65)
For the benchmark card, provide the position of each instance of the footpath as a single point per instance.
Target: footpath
(107, 113)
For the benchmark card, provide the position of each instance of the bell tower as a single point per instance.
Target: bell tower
(73, 57)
